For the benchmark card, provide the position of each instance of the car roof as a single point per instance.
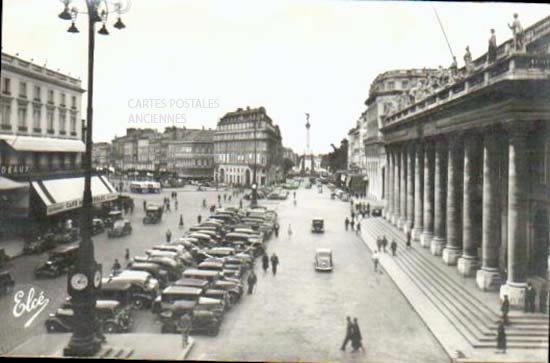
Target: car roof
(191, 282)
(195, 271)
(134, 274)
(182, 290)
(109, 283)
(62, 249)
(182, 304)
(323, 250)
(107, 304)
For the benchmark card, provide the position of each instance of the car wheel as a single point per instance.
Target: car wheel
(139, 303)
(110, 328)
(50, 327)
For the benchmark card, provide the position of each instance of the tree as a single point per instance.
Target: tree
(287, 165)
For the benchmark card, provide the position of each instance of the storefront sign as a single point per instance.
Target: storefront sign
(14, 169)
(77, 203)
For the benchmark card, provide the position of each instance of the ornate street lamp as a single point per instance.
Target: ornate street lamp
(85, 278)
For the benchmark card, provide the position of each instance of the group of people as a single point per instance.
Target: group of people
(353, 335)
(274, 262)
(354, 223)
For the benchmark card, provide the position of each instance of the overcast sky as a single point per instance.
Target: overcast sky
(290, 56)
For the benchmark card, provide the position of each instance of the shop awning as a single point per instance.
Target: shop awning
(60, 195)
(44, 144)
(8, 184)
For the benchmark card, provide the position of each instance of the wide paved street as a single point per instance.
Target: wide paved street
(299, 314)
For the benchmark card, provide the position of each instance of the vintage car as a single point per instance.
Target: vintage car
(157, 271)
(190, 282)
(376, 211)
(234, 290)
(60, 260)
(323, 259)
(6, 282)
(40, 244)
(177, 293)
(65, 236)
(98, 226)
(173, 269)
(116, 290)
(120, 228)
(202, 321)
(153, 214)
(113, 318)
(112, 217)
(318, 225)
(143, 289)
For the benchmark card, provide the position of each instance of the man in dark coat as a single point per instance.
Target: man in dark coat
(384, 243)
(530, 296)
(346, 222)
(252, 279)
(356, 338)
(349, 333)
(274, 263)
(379, 243)
(505, 308)
(276, 229)
(199, 219)
(352, 224)
(501, 338)
(265, 262)
(408, 239)
(393, 247)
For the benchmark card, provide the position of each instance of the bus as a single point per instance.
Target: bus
(145, 187)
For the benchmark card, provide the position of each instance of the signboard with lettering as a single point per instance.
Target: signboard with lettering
(77, 203)
(14, 169)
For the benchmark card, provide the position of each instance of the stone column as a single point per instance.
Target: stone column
(455, 172)
(388, 209)
(468, 264)
(396, 181)
(488, 278)
(410, 188)
(517, 218)
(440, 198)
(403, 188)
(429, 174)
(418, 192)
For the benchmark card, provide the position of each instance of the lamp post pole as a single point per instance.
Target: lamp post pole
(84, 278)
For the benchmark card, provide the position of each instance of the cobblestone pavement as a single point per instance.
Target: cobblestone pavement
(299, 314)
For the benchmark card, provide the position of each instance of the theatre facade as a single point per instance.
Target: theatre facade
(469, 167)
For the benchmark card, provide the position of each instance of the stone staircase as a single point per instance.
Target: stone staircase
(472, 318)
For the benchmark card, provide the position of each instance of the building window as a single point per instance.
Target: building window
(391, 85)
(50, 96)
(22, 118)
(73, 102)
(62, 122)
(404, 84)
(22, 90)
(6, 86)
(36, 93)
(6, 116)
(50, 121)
(63, 100)
(36, 116)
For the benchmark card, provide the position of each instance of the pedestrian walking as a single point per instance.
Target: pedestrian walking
(530, 297)
(241, 204)
(379, 244)
(352, 215)
(501, 339)
(116, 267)
(289, 231)
(185, 326)
(346, 222)
(543, 298)
(384, 244)
(176, 205)
(168, 206)
(265, 262)
(356, 338)
(409, 239)
(224, 197)
(181, 221)
(199, 219)
(349, 333)
(131, 206)
(274, 263)
(368, 210)
(375, 261)
(358, 227)
(505, 308)
(393, 247)
(252, 279)
(127, 255)
(168, 236)
(144, 205)
(276, 229)
(352, 224)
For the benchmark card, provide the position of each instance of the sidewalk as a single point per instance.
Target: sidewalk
(118, 346)
(448, 336)
(12, 247)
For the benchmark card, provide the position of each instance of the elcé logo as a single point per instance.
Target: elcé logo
(28, 304)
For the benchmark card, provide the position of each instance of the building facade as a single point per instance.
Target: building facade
(191, 156)
(137, 150)
(469, 167)
(101, 155)
(384, 96)
(41, 147)
(245, 139)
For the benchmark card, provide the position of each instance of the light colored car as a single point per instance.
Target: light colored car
(323, 259)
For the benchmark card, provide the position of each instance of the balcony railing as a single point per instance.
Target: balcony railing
(516, 66)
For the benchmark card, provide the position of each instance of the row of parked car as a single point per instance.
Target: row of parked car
(200, 274)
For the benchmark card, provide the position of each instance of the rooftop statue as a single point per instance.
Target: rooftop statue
(517, 33)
